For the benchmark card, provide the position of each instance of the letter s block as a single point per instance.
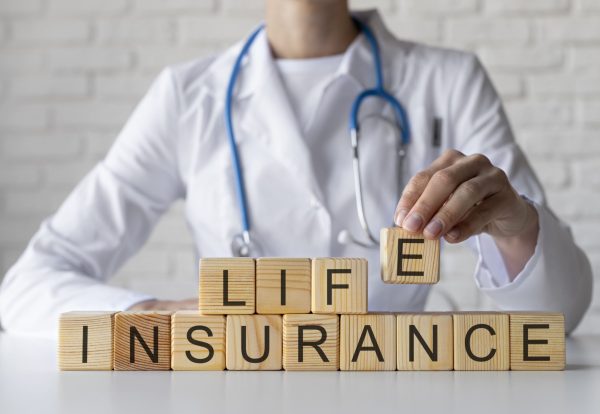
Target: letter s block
(227, 286)
(339, 285)
(253, 342)
(197, 341)
(481, 341)
(408, 257)
(537, 341)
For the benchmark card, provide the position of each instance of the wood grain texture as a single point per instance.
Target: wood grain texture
(424, 323)
(296, 295)
(423, 269)
(255, 343)
(323, 330)
(85, 341)
(368, 342)
(350, 300)
(241, 285)
(548, 330)
(147, 324)
(483, 343)
(190, 356)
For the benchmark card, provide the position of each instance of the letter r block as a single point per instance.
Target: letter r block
(253, 342)
(408, 257)
(227, 286)
(339, 285)
(311, 342)
(197, 341)
(481, 341)
(537, 341)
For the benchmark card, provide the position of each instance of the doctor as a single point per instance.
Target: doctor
(463, 177)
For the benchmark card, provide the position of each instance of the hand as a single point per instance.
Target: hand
(459, 196)
(174, 305)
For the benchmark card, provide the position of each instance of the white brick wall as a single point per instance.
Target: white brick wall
(62, 62)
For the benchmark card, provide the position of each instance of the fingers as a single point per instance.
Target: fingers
(475, 221)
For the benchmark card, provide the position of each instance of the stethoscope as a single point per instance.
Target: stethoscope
(243, 244)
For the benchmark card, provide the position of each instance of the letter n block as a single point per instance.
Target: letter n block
(142, 341)
(85, 341)
(425, 342)
(282, 286)
(227, 286)
(408, 257)
(537, 341)
(481, 342)
(339, 285)
(197, 341)
(368, 342)
(311, 342)
(253, 342)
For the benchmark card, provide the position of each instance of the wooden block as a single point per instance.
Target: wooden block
(425, 342)
(537, 341)
(142, 341)
(227, 286)
(481, 342)
(368, 342)
(85, 341)
(254, 342)
(311, 342)
(339, 285)
(197, 341)
(282, 286)
(408, 257)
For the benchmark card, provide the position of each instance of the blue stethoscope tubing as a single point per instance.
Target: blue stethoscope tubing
(242, 244)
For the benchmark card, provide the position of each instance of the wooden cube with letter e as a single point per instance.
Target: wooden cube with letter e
(227, 286)
(339, 285)
(408, 257)
(537, 341)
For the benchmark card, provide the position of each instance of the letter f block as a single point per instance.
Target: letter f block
(339, 285)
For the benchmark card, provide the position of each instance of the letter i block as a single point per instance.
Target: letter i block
(227, 286)
(142, 341)
(537, 341)
(481, 342)
(339, 285)
(409, 258)
(425, 342)
(85, 341)
(311, 342)
(368, 342)
(197, 341)
(253, 342)
(282, 286)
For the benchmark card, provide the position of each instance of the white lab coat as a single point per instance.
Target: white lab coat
(174, 146)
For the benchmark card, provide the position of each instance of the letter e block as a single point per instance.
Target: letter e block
(197, 341)
(408, 257)
(85, 341)
(282, 286)
(254, 342)
(142, 341)
(311, 342)
(537, 341)
(227, 286)
(425, 342)
(481, 342)
(368, 342)
(339, 285)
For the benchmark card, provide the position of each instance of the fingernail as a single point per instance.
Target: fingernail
(400, 217)
(433, 229)
(413, 222)
(453, 234)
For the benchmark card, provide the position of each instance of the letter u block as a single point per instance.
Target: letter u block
(339, 285)
(311, 342)
(481, 341)
(408, 257)
(197, 342)
(253, 342)
(227, 286)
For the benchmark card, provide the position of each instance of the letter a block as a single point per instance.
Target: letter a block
(282, 286)
(425, 342)
(197, 341)
(311, 342)
(142, 341)
(408, 257)
(339, 285)
(85, 341)
(537, 341)
(368, 342)
(227, 286)
(254, 342)
(481, 342)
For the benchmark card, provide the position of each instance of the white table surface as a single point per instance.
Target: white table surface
(31, 382)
